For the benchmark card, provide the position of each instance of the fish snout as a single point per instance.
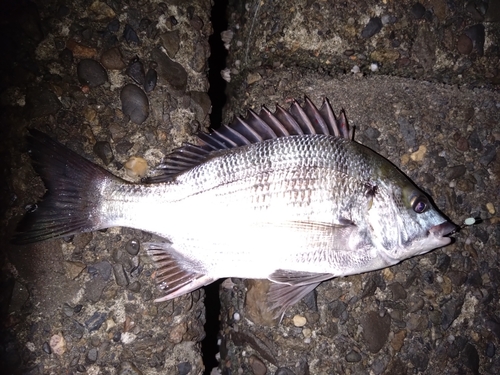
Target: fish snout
(443, 229)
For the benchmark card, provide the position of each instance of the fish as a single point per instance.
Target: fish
(287, 196)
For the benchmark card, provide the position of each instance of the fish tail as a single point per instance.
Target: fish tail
(71, 202)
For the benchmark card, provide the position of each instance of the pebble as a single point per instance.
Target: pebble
(462, 144)
(258, 367)
(91, 73)
(375, 330)
(253, 77)
(114, 25)
(176, 333)
(124, 146)
(95, 321)
(464, 44)
(457, 278)
(450, 311)
(255, 306)
(92, 355)
(424, 47)
(136, 167)
(388, 274)
(135, 103)
(73, 268)
(172, 72)
(446, 285)
(470, 358)
(284, 371)
(490, 350)
(171, 41)
(150, 81)
(46, 348)
(135, 71)
(58, 344)
(398, 340)
(81, 51)
(337, 308)
(101, 10)
(475, 141)
(120, 275)
(133, 246)
(42, 102)
(455, 172)
(385, 56)
(417, 10)
(419, 359)
(196, 22)
(68, 310)
(407, 131)
(416, 304)
(184, 368)
(201, 103)
(398, 292)
(198, 61)
(490, 153)
(419, 154)
(307, 332)
(94, 288)
(405, 159)
(117, 132)
(388, 19)
(117, 336)
(104, 269)
(416, 323)
(476, 34)
(90, 114)
(75, 329)
(372, 27)
(353, 356)
(491, 208)
(130, 35)
(299, 321)
(112, 59)
(103, 150)
(135, 287)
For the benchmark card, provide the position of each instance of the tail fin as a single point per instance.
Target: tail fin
(71, 202)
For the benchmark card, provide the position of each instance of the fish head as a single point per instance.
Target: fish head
(403, 220)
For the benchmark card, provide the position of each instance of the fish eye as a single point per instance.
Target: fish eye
(419, 204)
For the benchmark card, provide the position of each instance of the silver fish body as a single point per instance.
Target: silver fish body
(295, 208)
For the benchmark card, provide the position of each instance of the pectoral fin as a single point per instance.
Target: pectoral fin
(174, 276)
(289, 287)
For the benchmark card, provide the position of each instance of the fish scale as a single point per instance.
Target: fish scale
(286, 196)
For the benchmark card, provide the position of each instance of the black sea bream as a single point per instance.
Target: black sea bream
(286, 196)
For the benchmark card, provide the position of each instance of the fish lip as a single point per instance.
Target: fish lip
(443, 229)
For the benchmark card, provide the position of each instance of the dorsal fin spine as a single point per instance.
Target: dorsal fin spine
(302, 118)
(254, 128)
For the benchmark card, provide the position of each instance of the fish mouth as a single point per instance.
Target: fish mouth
(442, 230)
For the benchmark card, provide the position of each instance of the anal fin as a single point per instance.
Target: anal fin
(172, 274)
(282, 296)
(289, 287)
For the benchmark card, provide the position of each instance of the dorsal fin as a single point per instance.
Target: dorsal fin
(255, 128)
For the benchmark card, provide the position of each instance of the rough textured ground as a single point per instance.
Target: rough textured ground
(85, 304)
(438, 120)
(418, 81)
